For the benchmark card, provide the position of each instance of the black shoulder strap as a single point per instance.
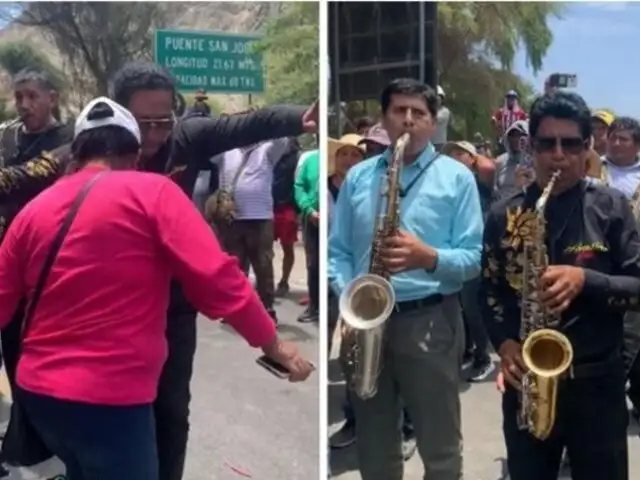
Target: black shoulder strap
(54, 249)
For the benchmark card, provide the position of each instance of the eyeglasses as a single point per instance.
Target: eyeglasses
(570, 145)
(161, 124)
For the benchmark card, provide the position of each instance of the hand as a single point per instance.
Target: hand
(287, 355)
(314, 218)
(512, 365)
(500, 383)
(560, 285)
(524, 176)
(403, 251)
(310, 118)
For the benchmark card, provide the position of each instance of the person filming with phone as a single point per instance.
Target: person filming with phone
(513, 170)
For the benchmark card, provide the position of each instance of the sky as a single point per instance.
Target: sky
(599, 42)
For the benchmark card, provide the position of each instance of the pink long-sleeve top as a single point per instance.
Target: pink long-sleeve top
(98, 333)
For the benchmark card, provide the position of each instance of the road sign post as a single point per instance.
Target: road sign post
(215, 62)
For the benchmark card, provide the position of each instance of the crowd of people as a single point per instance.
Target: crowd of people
(457, 268)
(105, 262)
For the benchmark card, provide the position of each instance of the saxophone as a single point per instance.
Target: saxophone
(368, 300)
(547, 353)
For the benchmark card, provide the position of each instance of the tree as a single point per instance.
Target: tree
(95, 38)
(17, 56)
(290, 49)
(477, 44)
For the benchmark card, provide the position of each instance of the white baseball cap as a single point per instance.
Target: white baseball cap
(113, 115)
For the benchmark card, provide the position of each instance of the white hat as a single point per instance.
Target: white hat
(117, 117)
(440, 91)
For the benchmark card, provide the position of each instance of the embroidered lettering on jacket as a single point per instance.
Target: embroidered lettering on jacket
(586, 251)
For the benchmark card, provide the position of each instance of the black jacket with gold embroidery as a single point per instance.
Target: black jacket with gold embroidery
(589, 226)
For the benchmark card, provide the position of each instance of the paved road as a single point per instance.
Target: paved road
(483, 446)
(246, 423)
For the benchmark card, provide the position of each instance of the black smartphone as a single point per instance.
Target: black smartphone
(273, 367)
(563, 80)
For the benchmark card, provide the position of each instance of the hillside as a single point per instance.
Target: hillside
(236, 17)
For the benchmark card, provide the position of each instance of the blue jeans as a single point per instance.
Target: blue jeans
(96, 442)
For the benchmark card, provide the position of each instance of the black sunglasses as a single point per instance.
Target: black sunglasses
(571, 145)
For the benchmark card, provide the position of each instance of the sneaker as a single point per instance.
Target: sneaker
(344, 437)
(282, 290)
(481, 370)
(467, 360)
(309, 315)
(409, 447)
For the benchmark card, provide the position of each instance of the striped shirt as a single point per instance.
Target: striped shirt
(252, 195)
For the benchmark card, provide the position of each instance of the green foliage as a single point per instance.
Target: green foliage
(290, 49)
(17, 56)
(477, 45)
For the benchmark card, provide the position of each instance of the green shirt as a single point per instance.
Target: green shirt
(307, 185)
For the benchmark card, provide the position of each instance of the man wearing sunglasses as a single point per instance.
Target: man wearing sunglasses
(179, 149)
(593, 279)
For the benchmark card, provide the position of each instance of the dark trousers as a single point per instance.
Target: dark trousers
(349, 416)
(171, 407)
(474, 326)
(10, 338)
(312, 252)
(251, 242)
(96, 442)
(591, 423)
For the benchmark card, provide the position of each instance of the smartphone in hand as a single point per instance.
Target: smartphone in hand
(274, 367)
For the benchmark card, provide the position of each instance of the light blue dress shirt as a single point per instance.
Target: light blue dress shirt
(442, 209)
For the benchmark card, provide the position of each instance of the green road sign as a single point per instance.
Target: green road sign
(215, 62)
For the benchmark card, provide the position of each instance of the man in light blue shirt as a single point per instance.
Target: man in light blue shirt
(435, 252)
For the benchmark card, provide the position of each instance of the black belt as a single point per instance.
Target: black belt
(595, 369)
(411, 305)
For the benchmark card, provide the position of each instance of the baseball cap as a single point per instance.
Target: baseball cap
(463, 145)
(604, 116)
(377, 134)
(103, 112)
(511, 93)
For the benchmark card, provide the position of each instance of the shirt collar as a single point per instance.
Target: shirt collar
(427, 155)
(634, 166)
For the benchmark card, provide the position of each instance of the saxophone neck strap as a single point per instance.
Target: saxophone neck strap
(404, 191)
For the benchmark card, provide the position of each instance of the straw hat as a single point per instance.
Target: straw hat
(349, 140)
(468, 147)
